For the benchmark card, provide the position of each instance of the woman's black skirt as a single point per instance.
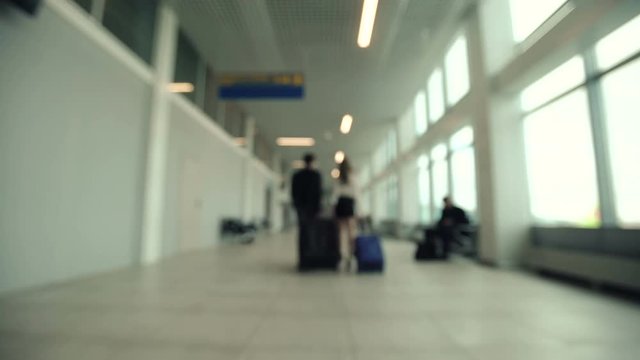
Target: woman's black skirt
(345, 207)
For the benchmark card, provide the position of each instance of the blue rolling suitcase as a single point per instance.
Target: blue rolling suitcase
(369, 254)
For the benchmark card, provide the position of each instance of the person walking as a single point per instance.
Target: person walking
(345, 196)
(306, 192)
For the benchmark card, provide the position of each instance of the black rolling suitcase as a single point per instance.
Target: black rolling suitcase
(319, 246)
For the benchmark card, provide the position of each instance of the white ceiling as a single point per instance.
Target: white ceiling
(318, 38)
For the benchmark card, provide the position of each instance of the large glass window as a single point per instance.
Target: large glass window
(379, 203)
(392, 146)
(379, 159)
(392, 197)
(133, 22)
(262, 150)
(234, 120)
(436, 95)
(440, 174)
(211, 102)
(560, 163)
(186, 67)
(364, 205)
(420, 112)
(410, 192)
(85, 4)
(424, 189)
(561, 79)
(407, 129)
(456, 68)
(622, 111)
(463, 169)
(528, 15)
(364, 176)
(618, 45)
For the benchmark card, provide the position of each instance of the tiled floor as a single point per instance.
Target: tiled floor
(246, 303)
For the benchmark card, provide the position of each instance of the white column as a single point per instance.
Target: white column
(250, 131)
(154, 193)
(276, 194)
(503, 206)
(399, 175)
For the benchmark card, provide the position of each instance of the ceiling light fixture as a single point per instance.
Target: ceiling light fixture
(295, 141)
(339, 157)
(297, 164)
(335, 173)
(366, 22)
(184, 87)
(345, 126)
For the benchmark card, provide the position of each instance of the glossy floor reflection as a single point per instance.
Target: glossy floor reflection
(245, 302)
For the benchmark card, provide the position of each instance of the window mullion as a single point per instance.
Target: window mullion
(443, 86)
(600, 142)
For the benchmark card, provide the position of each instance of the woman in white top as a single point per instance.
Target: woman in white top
(345, 194)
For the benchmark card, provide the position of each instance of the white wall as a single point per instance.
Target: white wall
(261, 181)
(218, 164)
(72, 142)
(74, 114)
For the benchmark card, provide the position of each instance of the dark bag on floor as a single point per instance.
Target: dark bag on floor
(369, 253)
(319, 246)
(428, 249)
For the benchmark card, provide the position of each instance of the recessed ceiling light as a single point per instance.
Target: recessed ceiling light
(183, 87)
(295, 141)
(335, 173)
(345, 125)
(367, 20)
(339, 157)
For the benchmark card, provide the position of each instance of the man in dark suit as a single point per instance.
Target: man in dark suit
(450, 221)
(306, 191)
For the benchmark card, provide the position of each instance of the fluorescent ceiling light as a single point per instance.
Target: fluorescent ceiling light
(345, 126)
(339, 157)
(366, 22)
(180, 87)
(240, 141)
(335, 173)
(295, 141)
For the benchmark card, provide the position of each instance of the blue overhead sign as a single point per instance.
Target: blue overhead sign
(261, 86)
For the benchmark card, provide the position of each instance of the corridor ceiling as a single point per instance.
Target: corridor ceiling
(318, 38)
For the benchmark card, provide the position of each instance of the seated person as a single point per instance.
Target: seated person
(448, 225)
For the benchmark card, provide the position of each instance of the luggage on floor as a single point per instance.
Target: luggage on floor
(426, 250)
(369, 254)
(318, 246)
(429, 248)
